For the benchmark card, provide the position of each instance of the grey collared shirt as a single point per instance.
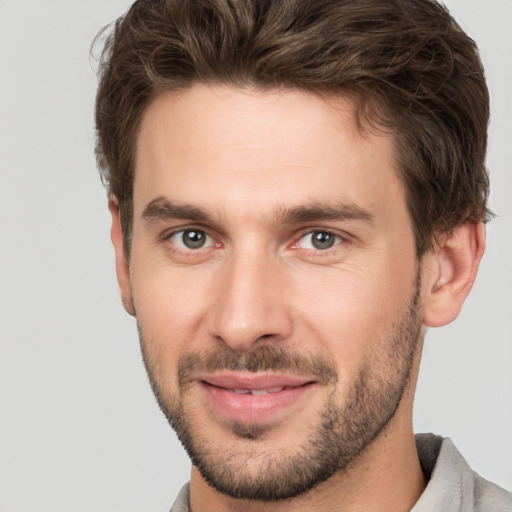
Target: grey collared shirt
(452, 485)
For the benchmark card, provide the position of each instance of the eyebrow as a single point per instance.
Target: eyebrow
(161, 208)
(164, 209)
(320, 212)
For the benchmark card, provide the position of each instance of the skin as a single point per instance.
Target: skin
(244, 157)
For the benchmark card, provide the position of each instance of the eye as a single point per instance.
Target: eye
(319, 241)
(191, 239)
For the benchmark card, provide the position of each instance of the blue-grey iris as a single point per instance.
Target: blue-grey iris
(194, 239)
(322, 240)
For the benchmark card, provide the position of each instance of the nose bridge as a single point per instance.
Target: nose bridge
(251, 305)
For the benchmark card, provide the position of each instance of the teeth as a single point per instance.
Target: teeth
(257, 391)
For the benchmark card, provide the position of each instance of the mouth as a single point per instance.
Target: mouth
(253, 398)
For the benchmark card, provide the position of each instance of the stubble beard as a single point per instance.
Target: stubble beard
(343, 432)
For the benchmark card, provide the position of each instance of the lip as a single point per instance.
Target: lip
(283, 392)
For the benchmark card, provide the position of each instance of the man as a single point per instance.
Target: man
(298, 192)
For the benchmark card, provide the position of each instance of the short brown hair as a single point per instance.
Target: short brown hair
(408, 64)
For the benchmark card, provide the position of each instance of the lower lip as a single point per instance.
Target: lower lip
(253, 408)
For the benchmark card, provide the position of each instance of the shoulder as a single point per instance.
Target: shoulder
(452, 485)
(182, 500)
(490, 497)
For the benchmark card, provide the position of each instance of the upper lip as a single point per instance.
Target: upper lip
(238, 380)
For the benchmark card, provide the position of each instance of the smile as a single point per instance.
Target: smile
(253, 398)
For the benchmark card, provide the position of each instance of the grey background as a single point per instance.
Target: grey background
(79, 428)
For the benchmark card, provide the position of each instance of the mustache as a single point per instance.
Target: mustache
(266, 358)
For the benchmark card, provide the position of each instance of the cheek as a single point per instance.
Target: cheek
(352, 313)
(169, 310)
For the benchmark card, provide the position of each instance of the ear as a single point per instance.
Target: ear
(449, 273)
(122, 267)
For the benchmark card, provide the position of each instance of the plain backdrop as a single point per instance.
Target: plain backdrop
(79, 427)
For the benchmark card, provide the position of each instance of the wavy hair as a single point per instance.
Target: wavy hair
(408, 65)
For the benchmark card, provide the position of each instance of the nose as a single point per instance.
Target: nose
(252, 303)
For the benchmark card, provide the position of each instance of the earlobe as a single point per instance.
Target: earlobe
(122, 267)
(450, 273)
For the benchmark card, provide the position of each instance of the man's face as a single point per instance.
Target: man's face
(275, 283)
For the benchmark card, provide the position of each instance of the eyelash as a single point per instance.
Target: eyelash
(212, 244)
(338, 239)
(168, 237)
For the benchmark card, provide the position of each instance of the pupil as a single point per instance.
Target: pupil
(194, 239)
(322, 240)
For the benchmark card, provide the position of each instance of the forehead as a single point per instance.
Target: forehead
(222, 146)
